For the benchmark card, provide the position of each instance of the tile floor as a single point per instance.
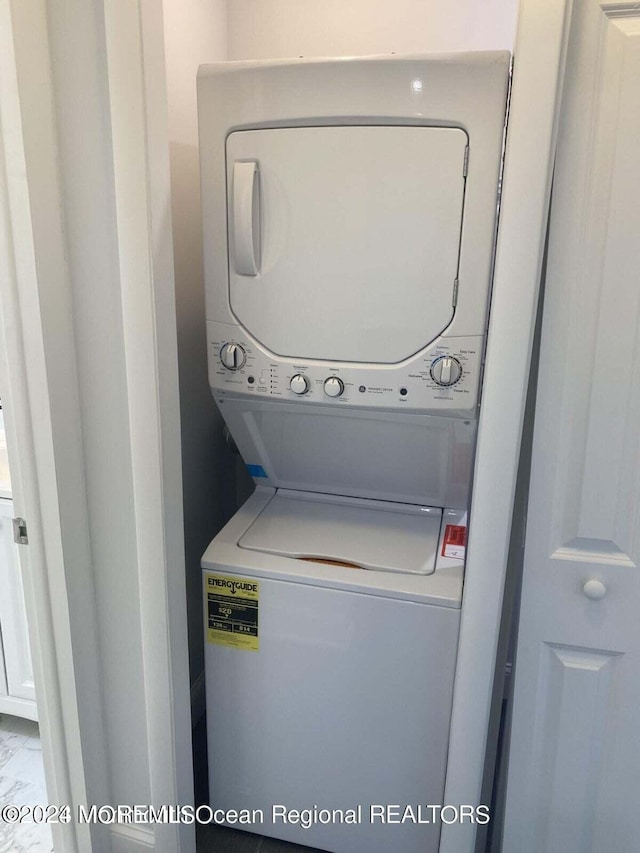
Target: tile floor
(22, 784)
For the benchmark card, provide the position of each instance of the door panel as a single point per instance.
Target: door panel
(344, 241)
(574, 768)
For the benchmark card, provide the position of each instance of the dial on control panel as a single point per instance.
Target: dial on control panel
(299, 384)
(446, 370)
(232, 356)
(333, 387)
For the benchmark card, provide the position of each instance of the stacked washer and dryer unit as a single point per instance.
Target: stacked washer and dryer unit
(349, 220)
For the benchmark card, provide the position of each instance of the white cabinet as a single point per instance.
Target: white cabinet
(574, 770)
(17, 691)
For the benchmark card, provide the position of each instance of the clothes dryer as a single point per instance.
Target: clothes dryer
(349, 212)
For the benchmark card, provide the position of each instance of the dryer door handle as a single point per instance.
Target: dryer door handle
(246, 217)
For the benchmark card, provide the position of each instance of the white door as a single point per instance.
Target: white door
(574, 771)
(344, 241)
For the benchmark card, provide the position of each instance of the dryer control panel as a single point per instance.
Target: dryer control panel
(443, 377)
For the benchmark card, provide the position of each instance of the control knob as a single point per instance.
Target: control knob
(299, 384)
(333, 387)
(446, 370)
(232, 356)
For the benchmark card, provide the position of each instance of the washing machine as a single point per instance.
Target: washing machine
(349, 214)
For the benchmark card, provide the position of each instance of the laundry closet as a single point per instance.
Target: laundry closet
(349, 385)
(297, 496)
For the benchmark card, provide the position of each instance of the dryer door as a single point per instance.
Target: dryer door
(344, 241)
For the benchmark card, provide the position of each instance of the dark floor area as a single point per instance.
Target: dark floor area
(220, 839)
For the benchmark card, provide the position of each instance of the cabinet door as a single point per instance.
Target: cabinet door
(13, 616)
(574, 771)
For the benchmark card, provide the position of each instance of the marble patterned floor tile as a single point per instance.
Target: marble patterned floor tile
(25, 838)
(21, 792)
(12, 790)
(22, 784)
(25, 764)
(10, 743)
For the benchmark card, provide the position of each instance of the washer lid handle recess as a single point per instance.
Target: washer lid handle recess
(246, 218)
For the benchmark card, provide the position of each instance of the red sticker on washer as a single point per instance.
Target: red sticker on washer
(455, 541)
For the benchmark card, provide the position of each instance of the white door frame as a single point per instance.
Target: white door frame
(539, 58)
(27, 235)
(49, 467)
(38, 337)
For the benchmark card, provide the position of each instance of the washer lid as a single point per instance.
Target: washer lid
(344, 241)
(359, 533)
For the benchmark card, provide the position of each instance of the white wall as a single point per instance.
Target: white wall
(263, 29)
(195, 32)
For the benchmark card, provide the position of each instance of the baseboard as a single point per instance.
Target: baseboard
(132, 839)
(198, 700)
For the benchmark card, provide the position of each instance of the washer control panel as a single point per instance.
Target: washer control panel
(444, 377)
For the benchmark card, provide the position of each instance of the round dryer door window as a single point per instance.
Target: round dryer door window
(344, 241)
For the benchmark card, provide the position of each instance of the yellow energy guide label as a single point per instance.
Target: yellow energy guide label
(232, 611)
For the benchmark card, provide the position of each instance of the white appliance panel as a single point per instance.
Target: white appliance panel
(345, 703)
(408, 386)
(374, 535)
(464, 91)
(344, 241)
(385, 455)
(443, 587)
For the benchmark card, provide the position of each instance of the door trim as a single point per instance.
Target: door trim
(539, 59)
(38, 335)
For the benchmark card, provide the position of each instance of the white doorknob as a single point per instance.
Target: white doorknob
(595, 590)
